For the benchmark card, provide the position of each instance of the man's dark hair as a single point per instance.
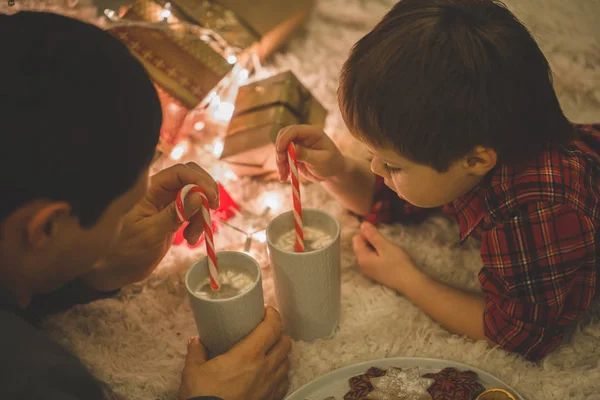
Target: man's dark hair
(435, 78)
(79, 116)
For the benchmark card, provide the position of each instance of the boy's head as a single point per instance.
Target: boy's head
(449, 88)
(80, 120)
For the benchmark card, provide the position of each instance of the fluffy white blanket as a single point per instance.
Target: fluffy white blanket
(137, 341)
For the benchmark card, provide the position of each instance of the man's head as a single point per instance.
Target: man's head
(80, 120)
(450, 85)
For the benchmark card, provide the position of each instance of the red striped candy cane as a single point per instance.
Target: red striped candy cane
(296, 197)
(213, 271)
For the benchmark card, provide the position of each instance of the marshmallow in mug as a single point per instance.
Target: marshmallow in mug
(314, 239)
(234, 281)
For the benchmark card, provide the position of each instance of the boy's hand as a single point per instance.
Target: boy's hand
(319, 159)
(256, 369)
(383, 261)
(148, 228)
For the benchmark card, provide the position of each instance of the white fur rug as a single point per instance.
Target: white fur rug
(137, 341)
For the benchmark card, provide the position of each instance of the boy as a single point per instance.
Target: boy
(78, 218)
(455, 102)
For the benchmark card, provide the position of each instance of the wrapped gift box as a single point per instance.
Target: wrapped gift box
(262, 108)
(242, 23)
(183, 65)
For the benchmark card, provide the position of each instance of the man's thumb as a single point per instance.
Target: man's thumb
(196, 351)
(372, 235)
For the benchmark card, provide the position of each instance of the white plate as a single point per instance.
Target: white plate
(336, 383)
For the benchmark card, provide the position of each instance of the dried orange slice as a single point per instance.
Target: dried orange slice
(496, 394)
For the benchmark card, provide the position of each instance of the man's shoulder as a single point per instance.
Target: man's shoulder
(566, 176)
(32, 364)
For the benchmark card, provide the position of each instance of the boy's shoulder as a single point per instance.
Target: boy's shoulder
(569, 175)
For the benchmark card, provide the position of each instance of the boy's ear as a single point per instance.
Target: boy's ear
(45, 220)
(480, 160)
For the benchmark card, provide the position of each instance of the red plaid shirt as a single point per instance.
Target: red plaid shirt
(537, 223)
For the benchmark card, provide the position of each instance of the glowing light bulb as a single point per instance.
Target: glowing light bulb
(165, 14)
(231, 59)
(272, 200)
(243, 75)
(230, 175)
(178, 151)
(199, 126)
(223, 111)
(215, 101)
(110, 14)
(211, 96)
(217, 148)
(260, 236)
(173, 107)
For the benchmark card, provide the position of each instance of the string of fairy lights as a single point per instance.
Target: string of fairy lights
(214, 112)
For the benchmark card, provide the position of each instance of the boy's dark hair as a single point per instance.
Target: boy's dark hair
(435, 78)
(79, 116)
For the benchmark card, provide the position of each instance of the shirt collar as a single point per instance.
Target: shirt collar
(470, 210)
(471, 207)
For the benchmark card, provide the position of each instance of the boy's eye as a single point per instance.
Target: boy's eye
(390, 170)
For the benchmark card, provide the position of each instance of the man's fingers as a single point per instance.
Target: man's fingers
(207, 176)
(279, 353)
(265, 336)
(283, 383)
(196, 352)
(169, 181)
(194, 229)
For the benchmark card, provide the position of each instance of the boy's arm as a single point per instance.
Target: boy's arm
(354, 189)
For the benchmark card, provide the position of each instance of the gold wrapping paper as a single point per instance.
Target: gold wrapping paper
(262, 109)
(242, 23)
(187, 68)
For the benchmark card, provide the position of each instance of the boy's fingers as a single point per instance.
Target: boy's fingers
(305, 155)
(361, 247)
(372, 235)
(295, 133)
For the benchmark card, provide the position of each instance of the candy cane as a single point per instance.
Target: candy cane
(296, 197)
(208, 233)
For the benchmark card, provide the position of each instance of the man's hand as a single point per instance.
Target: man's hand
(148, 228)
(383, 261)
(255, 369)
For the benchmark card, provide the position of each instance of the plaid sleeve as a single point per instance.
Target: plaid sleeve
(388, 207)
(539, 276)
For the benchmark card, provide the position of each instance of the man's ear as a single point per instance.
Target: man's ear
(480, 160)
(45, 219)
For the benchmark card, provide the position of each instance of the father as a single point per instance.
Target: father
(79, 218)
